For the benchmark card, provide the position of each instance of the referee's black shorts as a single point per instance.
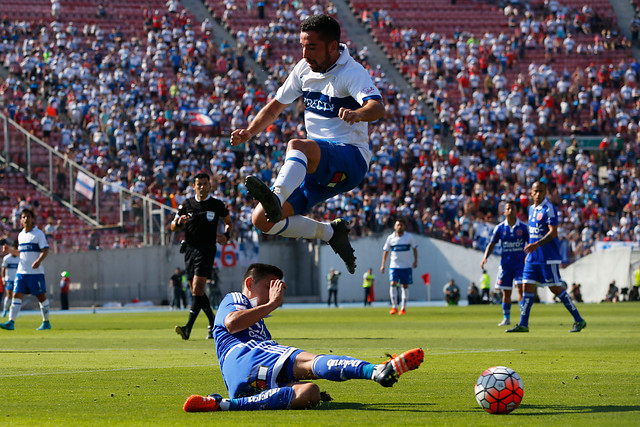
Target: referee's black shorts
(199, 261)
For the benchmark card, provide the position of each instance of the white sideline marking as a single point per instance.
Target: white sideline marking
(91, 371)
(494, 350)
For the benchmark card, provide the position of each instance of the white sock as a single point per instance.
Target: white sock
(44, 307)
(16, 305)
(302, 227)
(7, 303)
(393, 293)
(291, 174)
(405, 297)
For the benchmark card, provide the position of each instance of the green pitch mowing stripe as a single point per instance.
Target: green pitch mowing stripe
(132, 369)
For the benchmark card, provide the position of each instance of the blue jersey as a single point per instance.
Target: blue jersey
(540, 218)
(225, 341)
(513, 240)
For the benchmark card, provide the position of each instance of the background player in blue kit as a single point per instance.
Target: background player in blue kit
(541, 267)
(513, 235)
(340, 99)
(261, 374)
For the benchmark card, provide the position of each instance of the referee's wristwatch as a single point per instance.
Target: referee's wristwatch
(227, 235)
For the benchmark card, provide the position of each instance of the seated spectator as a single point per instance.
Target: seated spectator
(473, 294)
(575, 292)
(451, 293)
(612, 293)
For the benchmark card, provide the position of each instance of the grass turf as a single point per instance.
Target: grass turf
(132, 369)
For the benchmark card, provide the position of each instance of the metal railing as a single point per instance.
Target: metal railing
(91, 198)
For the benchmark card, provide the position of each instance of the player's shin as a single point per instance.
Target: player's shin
(341, 368)
(277, 398)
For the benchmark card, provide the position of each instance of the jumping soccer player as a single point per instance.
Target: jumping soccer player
(340, 99)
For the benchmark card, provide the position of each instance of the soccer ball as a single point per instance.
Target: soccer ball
(499, 390)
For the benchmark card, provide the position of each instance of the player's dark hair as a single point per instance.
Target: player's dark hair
(258, 271)
(402, 220)
(28, 211)
(325, 25)
(202, 175)
(510, 202)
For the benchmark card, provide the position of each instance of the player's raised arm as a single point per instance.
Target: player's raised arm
(267, 115)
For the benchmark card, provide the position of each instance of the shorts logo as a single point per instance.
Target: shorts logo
(338, 177)
(210, 216)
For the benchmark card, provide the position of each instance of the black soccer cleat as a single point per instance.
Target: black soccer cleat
(267, 198)
(183, 331)
(578, 326)
(340, 244)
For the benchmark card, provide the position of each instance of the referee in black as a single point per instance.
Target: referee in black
(199, 215)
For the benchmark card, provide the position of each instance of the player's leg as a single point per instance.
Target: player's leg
(339, 168)
(559, 291)
(343, 368)
(302, 157)
(393, 293)
(7, 299)
(44, 308)
(506, 307)
(404, 297)
(504, 283)
(297, 396)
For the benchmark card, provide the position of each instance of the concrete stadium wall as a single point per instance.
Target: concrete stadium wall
(99, 277)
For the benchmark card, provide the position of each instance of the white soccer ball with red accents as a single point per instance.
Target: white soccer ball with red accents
(499, 390)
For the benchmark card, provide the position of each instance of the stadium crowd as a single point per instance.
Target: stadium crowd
(123, 107)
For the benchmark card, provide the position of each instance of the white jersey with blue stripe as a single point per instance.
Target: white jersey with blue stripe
(30, 244)
(540, 218)
(346, 84)
(513, 240)
(10, 264)
(225, 340)
(401, 248)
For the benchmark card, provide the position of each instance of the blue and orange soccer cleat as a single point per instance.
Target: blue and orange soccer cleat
(387, 373)
(197, 403)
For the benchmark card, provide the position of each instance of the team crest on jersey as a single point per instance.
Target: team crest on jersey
(539, 216)
(519, 232)
(338, 177)
(210, 216)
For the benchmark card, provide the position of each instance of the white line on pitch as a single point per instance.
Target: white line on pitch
(34, 374)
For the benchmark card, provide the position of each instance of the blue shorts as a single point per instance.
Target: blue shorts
(507, 278)
(403, 276)
(29, 284)
(541, 274)
(8, 285)
(341, 169)
(251, 368)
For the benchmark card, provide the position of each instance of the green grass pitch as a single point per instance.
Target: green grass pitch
(132, 369)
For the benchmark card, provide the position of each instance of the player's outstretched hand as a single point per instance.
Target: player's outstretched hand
(239, 136)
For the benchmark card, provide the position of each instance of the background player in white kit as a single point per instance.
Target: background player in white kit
(9, 268)
(32, 250)
(401, 244)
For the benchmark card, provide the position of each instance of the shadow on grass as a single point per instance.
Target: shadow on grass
(536, 410)
(400, 407)
(574, 409)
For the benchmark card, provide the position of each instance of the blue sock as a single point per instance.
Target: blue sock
(506, 310)
(525, 308)
(568, 302)
(341, 368)
(276, 398)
